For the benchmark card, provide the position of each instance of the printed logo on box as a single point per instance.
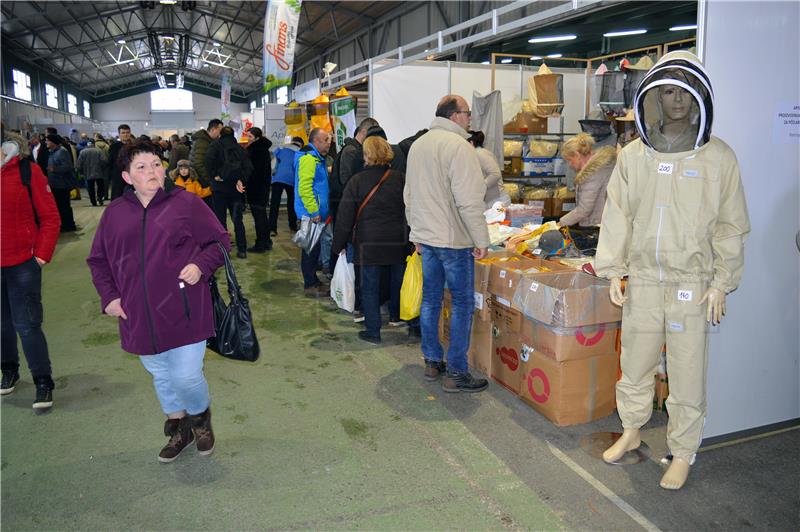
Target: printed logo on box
(508, 357)
(543, 397)
(479, 300)
(534, 287)
(502, 274)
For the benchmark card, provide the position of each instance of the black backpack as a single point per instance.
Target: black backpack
(25, 177)
(237, 165)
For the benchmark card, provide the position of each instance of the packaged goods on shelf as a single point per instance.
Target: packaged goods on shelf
(536, 166)
(563, 192)
(542, 149)
(533, 192)
(568, 393)
(512, 148)
(565, 299)
(514, 191)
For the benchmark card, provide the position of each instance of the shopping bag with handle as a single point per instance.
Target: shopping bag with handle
(411, 291)
(343, 284)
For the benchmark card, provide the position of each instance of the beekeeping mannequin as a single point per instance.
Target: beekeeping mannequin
(675, 223)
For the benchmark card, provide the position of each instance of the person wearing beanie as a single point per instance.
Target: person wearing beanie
(29, 226)
(399, 160)
(61, 177)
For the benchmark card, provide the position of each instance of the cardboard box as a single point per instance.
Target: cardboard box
(505, 275)
(547, 206)
(479, 355)
(565, 299)
(563, 206)
(571, 392)
(571, 343)
(483, 270)
(516, 166)
(662, 392)
(506, 347)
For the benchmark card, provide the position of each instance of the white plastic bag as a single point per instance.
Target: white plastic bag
(343, 284)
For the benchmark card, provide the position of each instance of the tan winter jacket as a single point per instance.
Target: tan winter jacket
(444, 189)
(591, 183)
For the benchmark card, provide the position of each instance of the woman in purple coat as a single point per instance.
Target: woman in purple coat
(151, 259)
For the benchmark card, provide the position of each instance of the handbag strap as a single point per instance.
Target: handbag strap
(234, 290)
(369, 196)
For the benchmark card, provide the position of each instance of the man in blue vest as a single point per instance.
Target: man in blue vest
(311, 200)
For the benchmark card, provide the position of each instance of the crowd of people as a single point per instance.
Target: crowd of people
(170, 200)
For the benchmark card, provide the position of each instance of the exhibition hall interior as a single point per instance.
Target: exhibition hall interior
(420, 265)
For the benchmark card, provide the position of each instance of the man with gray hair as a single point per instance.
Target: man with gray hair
(311, 200)
(444, 207)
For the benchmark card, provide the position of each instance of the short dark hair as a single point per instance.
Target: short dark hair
(376, 131)
(298, 141)
(214, 122)
(316, 132)
(226, 130)
(50, 131)
(129, 151)
(447, 107)
(366, 124)
(476, 138)
(123, 126)
(256, 132)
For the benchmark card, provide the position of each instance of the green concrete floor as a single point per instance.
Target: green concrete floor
(323, 432)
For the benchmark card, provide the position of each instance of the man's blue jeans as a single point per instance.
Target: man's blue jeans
(456, 268)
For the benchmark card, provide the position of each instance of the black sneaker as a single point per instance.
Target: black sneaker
(364, 335)
(44, 398)
(257, 249)
(9, 382)
(434, 370)
(463, 382)
(241, 254)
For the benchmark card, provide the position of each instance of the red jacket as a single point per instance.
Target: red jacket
(20, 238)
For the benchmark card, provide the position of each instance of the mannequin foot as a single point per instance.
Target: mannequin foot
(629, 441)
(676, 474)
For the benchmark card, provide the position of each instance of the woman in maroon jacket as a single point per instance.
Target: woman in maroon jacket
(27, 246)
(151, 259)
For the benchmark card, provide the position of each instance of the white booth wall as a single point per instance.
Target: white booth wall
(754, 365)
(135, 111)
(404, 98)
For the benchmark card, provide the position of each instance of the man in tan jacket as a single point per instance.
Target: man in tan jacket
(444, 207)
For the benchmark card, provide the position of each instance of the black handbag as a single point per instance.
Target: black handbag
(233, 322)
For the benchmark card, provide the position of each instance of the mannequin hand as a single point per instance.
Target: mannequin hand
(115, 309)
(716, 305)
(615, 292)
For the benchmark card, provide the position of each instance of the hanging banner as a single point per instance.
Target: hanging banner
(343, 113)
(225, 98)
(247, 122)
(280, 32)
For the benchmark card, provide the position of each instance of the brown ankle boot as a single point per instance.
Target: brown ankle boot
(179, 440)
(201, 426)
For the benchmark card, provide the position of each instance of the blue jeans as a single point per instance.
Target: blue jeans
(456, 267)
(371, 295)
(178, 378)
(22, 315)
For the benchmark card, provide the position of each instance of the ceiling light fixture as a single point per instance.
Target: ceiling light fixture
(624, 33)
(554, 56)
(506, 60)
(535, 57)
(683, 28)
(216, 44)
(168, 2)
(120, 41)
(169, 37)
(486, 62)
(553, 39)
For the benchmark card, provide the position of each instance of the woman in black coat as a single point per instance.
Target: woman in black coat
(380, 235)
(258, 186)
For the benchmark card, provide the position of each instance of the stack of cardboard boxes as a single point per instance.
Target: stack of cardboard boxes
(546, 333)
